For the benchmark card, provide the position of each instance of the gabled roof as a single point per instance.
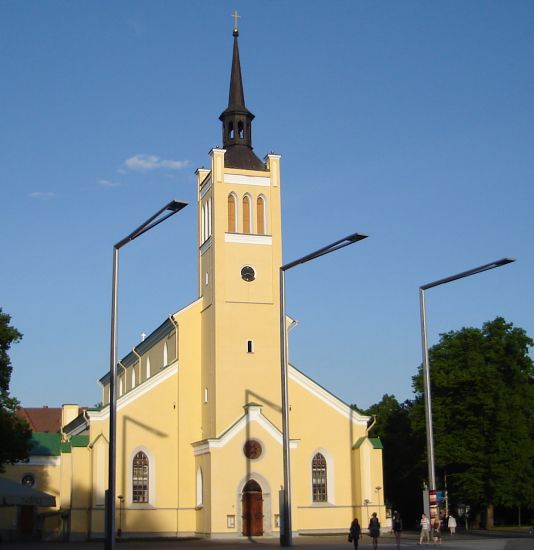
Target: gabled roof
(41, 419)
(375, 442)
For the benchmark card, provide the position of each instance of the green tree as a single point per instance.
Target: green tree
(403, 456)
(15, 433)
(482, 396)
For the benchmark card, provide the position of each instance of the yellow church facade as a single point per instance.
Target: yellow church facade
(199, 421)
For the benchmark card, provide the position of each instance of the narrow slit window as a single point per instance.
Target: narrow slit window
(250, 346)
(260, 215)
(246, 214)
(231, 214)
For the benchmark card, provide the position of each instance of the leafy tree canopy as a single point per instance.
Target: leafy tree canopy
(15, 433)
(482, 403)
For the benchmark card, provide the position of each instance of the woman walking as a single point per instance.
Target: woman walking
(355, 532)
(397, 527)
(374, 529)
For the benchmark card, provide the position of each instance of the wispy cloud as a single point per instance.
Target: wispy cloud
(109, 183)
(42, 195)
(144, 163)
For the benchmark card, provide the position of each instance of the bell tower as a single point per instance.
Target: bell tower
(240, 252)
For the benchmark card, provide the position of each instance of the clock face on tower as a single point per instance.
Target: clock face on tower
(248, 274)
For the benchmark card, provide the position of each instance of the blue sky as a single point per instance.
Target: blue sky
(410, 121)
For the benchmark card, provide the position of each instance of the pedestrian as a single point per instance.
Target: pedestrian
(396, 523)
(374, 529)
(452, 524)
(355, 532)
(436, 535)
(425, 529)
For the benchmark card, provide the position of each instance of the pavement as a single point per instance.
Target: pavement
(474, 540)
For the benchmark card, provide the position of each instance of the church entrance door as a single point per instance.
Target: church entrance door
(252, 505)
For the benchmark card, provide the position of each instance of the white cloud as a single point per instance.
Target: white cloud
(109, 183)
(44, 195)
(144, 163)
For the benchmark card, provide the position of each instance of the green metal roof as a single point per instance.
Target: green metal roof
(375, 442)
(46, 444)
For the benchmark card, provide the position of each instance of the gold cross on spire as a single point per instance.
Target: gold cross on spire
(236, 17)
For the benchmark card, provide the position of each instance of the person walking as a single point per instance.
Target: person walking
(425, 529)
(374, 529)
(355, 532)
(436, 535)
(396, 524)
(451, 524)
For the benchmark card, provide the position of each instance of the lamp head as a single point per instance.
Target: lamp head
(176, 206)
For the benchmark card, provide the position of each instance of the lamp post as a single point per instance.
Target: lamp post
(426, 369)
(161, 215)
(378, 489)
(285, 531)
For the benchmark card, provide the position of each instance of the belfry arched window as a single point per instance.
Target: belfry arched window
(260, 215)
(246, 215)
(319, 488)
(232, 217)
(140, 472)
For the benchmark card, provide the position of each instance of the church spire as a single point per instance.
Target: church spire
(237, 119)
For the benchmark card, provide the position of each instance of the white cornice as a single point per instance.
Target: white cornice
(239, 179)
(254, 414)
(243, 238)
(40, 460)
(326, 397)
(137, 392)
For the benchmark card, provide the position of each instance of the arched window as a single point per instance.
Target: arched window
(147, 368)
(319, 489)
(260, 215)
(231, 214)
(133, 377)
(200, 487)
(240, 129)
(209, 219)
(203, 224)
(165, 355)
(246, 214)
(231, 130)
(140, 473)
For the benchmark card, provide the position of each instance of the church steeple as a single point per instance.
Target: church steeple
(237, 121)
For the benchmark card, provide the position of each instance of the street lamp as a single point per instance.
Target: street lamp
(285, 530)
(426, 369)
(161, 215)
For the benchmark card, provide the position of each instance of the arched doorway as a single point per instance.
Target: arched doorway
(252, 506)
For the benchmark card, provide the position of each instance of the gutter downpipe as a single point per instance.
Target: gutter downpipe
(173, 321)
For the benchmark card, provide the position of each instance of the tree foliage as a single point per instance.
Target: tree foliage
(482, 396)
(482, 386)
(402, 457)
(15, 433)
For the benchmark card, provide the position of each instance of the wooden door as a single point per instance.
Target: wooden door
(26, 517)
(252, 503)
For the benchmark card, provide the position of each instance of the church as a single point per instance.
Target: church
(199, 421)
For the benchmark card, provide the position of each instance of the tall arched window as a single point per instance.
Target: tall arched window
(165, 355)
(147, 368)
(231, 214)
(140, 478)
(133, 377)
(209, 218)
(260, 215)
(246, 214)
(319, 489)
(200, 487)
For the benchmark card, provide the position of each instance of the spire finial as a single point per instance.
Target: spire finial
(236, 16)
